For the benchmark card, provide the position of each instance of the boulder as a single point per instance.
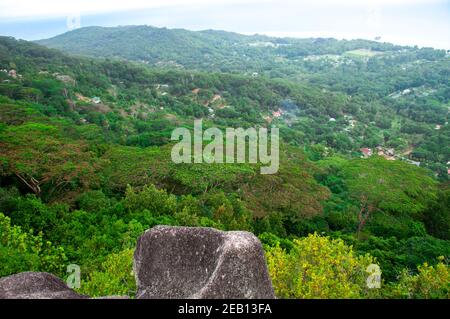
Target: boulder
(35, 285)
(113, 297)
(194, 262)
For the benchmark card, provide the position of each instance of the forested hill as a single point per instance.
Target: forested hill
(312, 112)
(85, 169)
(359, 67)
(401, 94)
(220, 50)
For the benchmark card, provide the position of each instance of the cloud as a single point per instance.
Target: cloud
(57, 8)
(16, 9)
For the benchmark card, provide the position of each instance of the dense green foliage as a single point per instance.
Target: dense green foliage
(85, 162)
(319, 267)
(385, 95)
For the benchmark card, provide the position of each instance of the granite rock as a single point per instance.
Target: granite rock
(195, 262)
(36, 285)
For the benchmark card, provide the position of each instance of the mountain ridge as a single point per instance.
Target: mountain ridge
(151, 45)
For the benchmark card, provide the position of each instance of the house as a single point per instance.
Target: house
(215, 98)
(390, 151)
(96, 100)
(367, 152)
(162, 86)
(13, 74)
(406, 91)
(413, 162)
(332, 119)
(277, 113)
(385, 152)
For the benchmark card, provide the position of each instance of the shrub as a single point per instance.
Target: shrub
(430, 282)
(155, 200)
(115, 277)
(318, 267)
(93, 201)
(22, 251)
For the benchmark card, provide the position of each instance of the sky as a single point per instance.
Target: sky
(407, 22)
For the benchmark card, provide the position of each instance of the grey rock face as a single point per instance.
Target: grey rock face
(35, 285)
(190, 262)
(113, 297)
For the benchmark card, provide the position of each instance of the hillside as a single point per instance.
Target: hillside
(85, 159)
(369, 68)
(194, 49)
(399, 94)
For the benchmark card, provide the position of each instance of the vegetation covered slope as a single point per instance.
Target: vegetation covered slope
(394, 96)
(85, 168)
(358, 67)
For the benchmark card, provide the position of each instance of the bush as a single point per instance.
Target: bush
(115, 278)
(33, 214)
(430, 282)
(93, 201)
(150, 198)
(394, 255)
(229, 211)
(22, 251)
(403, 226)
(318, 267)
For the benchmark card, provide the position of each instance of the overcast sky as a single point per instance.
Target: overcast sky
(412, 22)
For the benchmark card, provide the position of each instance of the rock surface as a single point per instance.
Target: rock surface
(191, 262)
(35, 285)
(113, 297)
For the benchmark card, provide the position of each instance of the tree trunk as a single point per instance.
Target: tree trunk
(32, 183)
